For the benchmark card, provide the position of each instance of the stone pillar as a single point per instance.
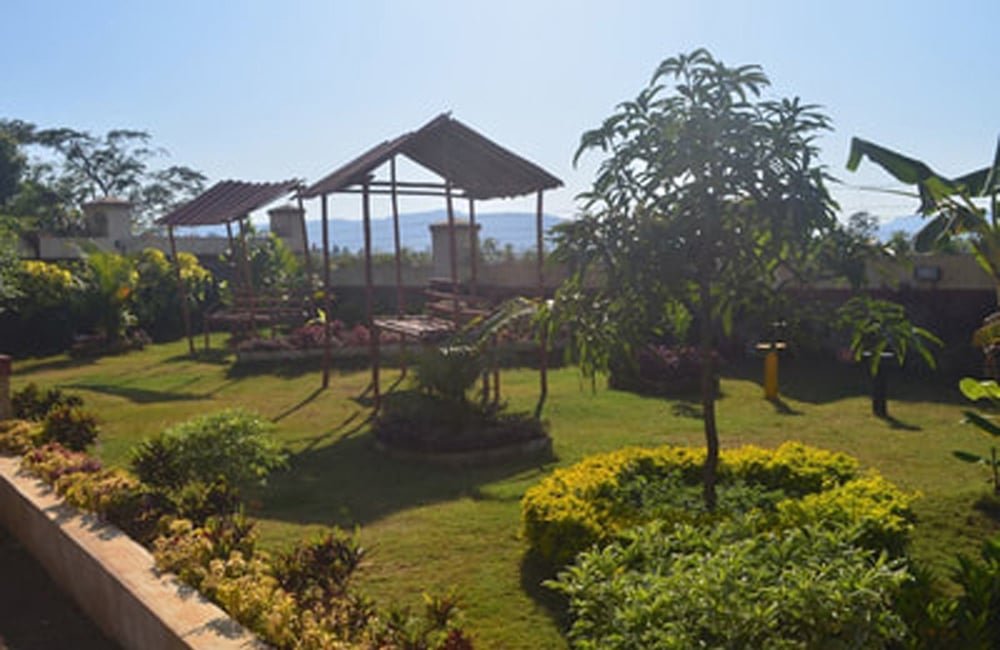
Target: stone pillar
(5, 408)
(286, 222)
(440, 252)
(110, 219)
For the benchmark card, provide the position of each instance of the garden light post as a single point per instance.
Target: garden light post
(770, 349)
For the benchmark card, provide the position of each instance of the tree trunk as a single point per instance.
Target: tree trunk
(880, 392)
(710, 470)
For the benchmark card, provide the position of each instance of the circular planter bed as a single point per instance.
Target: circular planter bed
(415, 426)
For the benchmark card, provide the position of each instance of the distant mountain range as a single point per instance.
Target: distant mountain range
(514, 228)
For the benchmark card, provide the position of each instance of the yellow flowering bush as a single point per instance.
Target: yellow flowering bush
(18, 436)
(878, 511)
(593, 501)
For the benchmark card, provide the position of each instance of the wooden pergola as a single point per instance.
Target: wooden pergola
(471, 167)
(224, 203)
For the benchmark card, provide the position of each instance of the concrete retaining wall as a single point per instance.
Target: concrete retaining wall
(111, 577)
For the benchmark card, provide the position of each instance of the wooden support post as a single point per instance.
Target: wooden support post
(326, 291)
(452, 252)
(251, 296)
(370, 298)
(400, 294)
(473, 248)
(305, 237)
(181, 290)
(543, 357)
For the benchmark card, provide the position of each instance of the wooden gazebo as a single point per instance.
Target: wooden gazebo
(470, 167)
(224, 203)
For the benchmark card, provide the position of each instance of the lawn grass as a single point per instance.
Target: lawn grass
(432, 529)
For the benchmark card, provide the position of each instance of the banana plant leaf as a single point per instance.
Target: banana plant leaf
(977, 389)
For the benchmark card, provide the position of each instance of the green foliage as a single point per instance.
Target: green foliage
(976, 390)
(32, 403)
(272, 264)
(881, 326)
(71, 426)
(315, 611)
(109, 280)
(448, 371)
(877, 513)
(318, 570)
(706, 191)
(733, 585)
(235, 445)
(156, 301)
(595, 500)
(9, 262)
(949, 202)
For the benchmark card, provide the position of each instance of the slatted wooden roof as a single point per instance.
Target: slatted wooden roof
(473, 163)
(226, 201)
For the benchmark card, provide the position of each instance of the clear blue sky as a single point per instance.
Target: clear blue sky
(267, 90)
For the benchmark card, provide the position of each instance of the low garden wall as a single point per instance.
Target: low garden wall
(111, 577)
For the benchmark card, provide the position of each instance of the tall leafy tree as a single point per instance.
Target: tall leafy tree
(85, 166)
(707, 198)
(966, 205)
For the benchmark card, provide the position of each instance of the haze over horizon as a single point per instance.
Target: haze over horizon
(260, 91)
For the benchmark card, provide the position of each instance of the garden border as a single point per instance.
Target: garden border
(111, 577)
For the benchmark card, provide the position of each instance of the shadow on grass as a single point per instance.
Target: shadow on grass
(782, 408)
(138, 395)
(896, 423)
(214, 356)
(350, 482)
(63, 363)
(535, 571)
(308, 398)
(820, 381)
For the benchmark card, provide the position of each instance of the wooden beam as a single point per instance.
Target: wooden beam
(399, 192)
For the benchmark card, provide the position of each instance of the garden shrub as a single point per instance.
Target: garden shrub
(18, 436)
(32, 403)
(156, 300)
(234, 444)
(42, 319)
(318, 570)
(448, 371)
(660, 370)
(71, 426)
(221, 561)
(733, 585)
(598, 498)
(876, 512)
(52, 461)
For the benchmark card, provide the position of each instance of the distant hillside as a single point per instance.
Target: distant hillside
(514, 228)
